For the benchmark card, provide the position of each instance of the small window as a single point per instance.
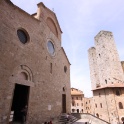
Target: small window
(101, 105)
(65, 69)
(120, 105)
(96, 105)
(77, 98)
(72, 97)
(64, 89)
(106, 81)
(99, 55)
(86, 102)
(117, 93)
(82, 110)
(73, 103)
(82, 104)
(51, 68)
(22, 35)
(73, 110)
(99, 95)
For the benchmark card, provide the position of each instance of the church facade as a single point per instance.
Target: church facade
(34, 69)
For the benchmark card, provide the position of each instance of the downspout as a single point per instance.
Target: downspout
(107, 105)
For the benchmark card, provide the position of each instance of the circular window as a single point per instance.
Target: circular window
(50, 47)
(65, 69)
(22, 36)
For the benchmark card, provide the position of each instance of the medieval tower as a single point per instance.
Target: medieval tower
(107, 78)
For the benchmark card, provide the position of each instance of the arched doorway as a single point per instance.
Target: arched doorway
(20, 100)
(20, 97)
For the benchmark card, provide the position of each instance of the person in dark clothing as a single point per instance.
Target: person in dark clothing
(24, 113)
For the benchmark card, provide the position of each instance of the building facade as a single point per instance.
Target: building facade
(34, 69)
(107, 79)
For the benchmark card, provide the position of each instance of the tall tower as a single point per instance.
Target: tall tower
(109, 66)
(93, 68)
(107, 78)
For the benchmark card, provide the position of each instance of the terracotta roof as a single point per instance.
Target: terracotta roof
(110, 86)
(75, 91)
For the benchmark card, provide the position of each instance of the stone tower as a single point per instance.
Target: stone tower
(104, 59)
(93, 67)
(107, 78)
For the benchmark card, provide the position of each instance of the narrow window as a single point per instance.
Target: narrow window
(51, 68)
(73, 103)
(101, 105)
(96, 105)
(82, 104)
(82, 110)
(86, 102)
(77, 98)
(99, 94)
(106, 81)
(72, 97)
(120, 105)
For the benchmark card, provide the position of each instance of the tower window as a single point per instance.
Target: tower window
(101, 105)
(120, 105)
(96, 105)
(106, 81)
(117, 93)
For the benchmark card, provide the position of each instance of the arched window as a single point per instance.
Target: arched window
(120, 105)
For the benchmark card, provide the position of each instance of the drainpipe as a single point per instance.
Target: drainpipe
(106, 104)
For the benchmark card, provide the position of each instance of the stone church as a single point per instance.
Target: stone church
(107, 79)
(34, 69)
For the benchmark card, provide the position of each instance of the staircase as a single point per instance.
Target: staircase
(64, 120)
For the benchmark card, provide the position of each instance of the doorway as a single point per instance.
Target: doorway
(77, 110)
(63, 103)
(20, 100)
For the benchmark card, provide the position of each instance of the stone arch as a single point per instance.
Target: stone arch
(51, 24)
(22, 75)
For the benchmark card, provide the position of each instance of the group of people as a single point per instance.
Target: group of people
(48, 122)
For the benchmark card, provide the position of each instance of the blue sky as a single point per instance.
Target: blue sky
(80, 21)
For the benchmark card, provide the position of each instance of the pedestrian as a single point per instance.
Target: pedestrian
(24, 113)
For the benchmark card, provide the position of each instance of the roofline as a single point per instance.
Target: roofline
(66, 55)
(52, 12)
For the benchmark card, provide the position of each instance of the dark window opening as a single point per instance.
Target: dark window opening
(73, 110)
(65, 69)
(106, 81)
(120, 105)
(22, 36)
(101, 105)
(51, 68)
(96, 105)
(117, 93)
